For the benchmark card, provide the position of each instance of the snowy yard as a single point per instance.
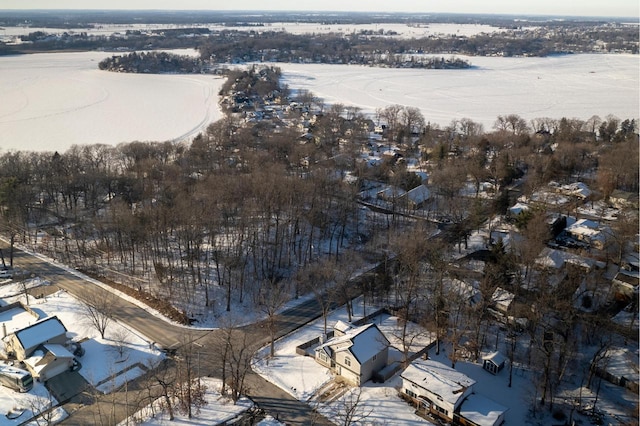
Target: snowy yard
(106, 364)
(302, 377)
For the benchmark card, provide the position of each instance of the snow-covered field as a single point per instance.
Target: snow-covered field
(51, 101)
(572, 86)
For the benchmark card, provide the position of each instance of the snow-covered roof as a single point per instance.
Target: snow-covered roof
(364, 342)
(40, 332)
(467, 291)
(342, 326)
(496, 357)
(419, 194)
(438, 379)
(502, 297)
(622, 362)
(481, 410)
(391, 192)
(518, 208)
(58, 351)
(577, 189)
(552, 258)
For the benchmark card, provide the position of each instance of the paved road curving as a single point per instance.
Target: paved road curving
(85, 410)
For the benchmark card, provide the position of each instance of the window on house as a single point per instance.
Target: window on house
(410, 393)
(442, 410)
(374, 357)
(347, 361)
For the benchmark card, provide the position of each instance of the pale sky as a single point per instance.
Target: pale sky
(617, 8)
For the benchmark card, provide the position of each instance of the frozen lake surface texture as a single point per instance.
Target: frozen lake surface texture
(572, 86)
(51, 101)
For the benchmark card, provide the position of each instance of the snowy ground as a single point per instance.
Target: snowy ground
(400, 30)
(570, 86)
(301, 376)
(54, 100)
(217, 410)
(51, 101)
(102, 364)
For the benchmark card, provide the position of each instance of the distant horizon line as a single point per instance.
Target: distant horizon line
(332, 12)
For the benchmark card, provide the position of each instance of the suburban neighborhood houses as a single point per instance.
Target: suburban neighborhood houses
(305, 262)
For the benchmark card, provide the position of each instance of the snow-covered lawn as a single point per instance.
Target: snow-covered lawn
(218, 409)
(106, 364)
(302, 377)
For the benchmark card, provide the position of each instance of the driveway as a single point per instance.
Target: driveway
(85, 409)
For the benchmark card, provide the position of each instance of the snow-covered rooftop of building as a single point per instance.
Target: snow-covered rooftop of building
(502, 297)
(40, 332)
(419, 194)
(552, 258)
(518, 208)
(496, 357)
(438, 379)
(481, 410)
(364, 342)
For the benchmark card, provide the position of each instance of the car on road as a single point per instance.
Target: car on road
(6, 273)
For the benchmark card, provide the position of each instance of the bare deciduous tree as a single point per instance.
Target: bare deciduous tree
(98, 309)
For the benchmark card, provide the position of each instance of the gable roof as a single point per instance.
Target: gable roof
(40, 331)
(419, 194)
(502, 297)
(363, 342)
(437, 378)
(481, 411)
(495, 357)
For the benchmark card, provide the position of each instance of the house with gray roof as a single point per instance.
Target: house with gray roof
(355, 353)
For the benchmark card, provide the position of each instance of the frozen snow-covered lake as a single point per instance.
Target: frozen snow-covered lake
(51, 101)
(572, 86)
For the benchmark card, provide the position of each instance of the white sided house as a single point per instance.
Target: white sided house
(435, 388)
(441, 391)
(354, 354)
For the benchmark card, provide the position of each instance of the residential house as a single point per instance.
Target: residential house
(435, 388)
(589, 232)
(623, 199)
(48, 361)
(441, 391)
(417, 197)
(354, 354)
(502, 300)
(577, 189)
(626, 285)
(22, 343)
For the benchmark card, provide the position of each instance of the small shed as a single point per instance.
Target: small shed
(494, 362)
